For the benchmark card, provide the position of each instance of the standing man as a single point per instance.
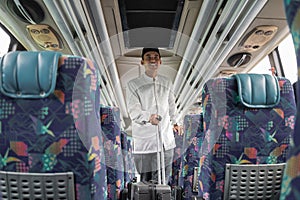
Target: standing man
(151, 107)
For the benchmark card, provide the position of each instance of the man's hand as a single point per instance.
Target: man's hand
(154, 119)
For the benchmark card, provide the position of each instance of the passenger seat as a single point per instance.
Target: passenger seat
(248, 119)
(50, 123)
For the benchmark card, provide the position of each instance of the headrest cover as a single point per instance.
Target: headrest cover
(258, 90)
(28, 74)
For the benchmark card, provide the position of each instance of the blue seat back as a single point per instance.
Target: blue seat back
(129, 165)
(291, 180)
(239, 134)
(50, 119)
(111, 130)
(190, 156)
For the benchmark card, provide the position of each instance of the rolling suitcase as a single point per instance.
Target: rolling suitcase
(139, 191)
(152, 191)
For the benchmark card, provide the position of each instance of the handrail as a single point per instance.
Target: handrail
(211, 65)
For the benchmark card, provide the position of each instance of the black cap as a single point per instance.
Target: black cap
(145, 50)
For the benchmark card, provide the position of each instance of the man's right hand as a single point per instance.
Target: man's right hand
(154, 119)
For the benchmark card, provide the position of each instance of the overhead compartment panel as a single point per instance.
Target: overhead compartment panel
(136, 15)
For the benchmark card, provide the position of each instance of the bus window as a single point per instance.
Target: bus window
(5, 41)
(288, 58)
(263, 67)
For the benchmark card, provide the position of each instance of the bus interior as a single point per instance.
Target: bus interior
(199, 41)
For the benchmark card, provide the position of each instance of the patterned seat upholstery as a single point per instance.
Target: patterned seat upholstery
(190, 156)
(176, 164)
(290, 188)
(128, 160)
(49, 119)
(238, 134)
(296, 87)
(110, 125)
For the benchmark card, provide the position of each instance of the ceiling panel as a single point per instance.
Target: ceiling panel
(140, 14)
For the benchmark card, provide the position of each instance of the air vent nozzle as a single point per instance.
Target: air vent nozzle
(27, 11)
(239, 59)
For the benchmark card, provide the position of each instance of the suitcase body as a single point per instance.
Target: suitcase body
(177, 193)
(124, 194)
(150, 191)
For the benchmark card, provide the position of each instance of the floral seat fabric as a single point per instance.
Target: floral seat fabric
(128, 160)
(241, 135)
(176, 164)
(193, 138)
(58, 133)
(290, 188)
(110, 125)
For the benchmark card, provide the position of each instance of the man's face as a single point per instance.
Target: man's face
(151, 61)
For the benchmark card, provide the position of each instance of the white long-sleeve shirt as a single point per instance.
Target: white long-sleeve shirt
(146, 96)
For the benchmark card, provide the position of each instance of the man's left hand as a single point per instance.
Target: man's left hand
(178, 128)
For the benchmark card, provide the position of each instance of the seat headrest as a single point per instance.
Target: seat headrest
(258, 90)
(28, 74)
